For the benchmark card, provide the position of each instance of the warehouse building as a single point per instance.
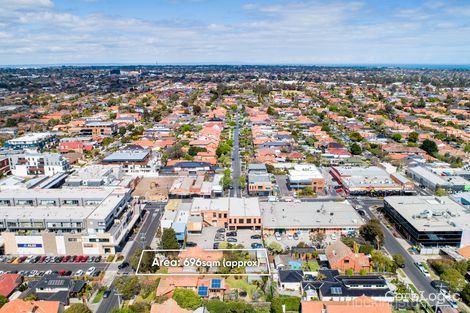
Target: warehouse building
(329, 217)
(372, 181)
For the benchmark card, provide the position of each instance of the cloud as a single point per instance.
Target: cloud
(310, 31)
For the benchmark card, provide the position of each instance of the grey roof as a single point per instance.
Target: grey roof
(127, 156)
(309, 215)
(429, 213)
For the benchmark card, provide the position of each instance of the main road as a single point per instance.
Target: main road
(236, 169)
(391, 244)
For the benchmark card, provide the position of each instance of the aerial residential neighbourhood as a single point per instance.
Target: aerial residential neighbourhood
(234, 156)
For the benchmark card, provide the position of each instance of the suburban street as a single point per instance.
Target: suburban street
(111, 302)
(236, 169)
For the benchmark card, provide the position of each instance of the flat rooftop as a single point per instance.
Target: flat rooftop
(365, 177)
(233, 206)
(31, 137)
(427, 174)
(430, 213)
(127, 156)
(309, 215)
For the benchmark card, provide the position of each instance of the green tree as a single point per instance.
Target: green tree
(413, 137)
(440, 192)
(187, 299)
(242, 182)
(169, 240)
(356, 149)
(11, 122)
(429, 146)
(3, 300)
(399, 260)
(275, 247)
(465, 294)
(127, 286)
(78, 308)
(396, 137)
(372, 232)
(349, 272)
(355, 136)
(292, 304)
(453, 279)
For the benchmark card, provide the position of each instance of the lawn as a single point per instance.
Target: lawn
(241, 284)
(99, 296)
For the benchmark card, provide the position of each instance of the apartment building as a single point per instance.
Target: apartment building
(306, 175)
(66, 221)
(32, 141)
(31, 164)
(98, 129)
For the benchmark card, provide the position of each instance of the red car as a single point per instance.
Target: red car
(77, 259)
(65, 259)
(84, 258)
(61, 272)
(41, 259)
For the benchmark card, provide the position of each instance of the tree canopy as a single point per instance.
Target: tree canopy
(187, 299)
(78, 308)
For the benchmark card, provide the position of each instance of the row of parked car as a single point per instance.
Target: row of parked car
(91, 272)
(51, 259)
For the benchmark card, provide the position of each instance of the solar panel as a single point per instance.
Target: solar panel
(336, 290)
(216, 284)
(203, 291)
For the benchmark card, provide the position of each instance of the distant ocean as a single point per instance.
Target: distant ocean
(367, 66)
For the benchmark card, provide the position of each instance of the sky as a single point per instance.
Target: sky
(234, 32)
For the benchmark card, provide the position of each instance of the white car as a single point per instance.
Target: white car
(78, 273)
(422, 269)
(290, 237)
(333, 236)
(90, 271)
(278, 236)
(48, 272)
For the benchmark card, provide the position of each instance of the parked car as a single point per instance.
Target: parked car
(296, 236)
(98, 259)
(123, 265)
(79, 273)
(84, 259)
(290, 237)
(255, 236)
(256, 245)
(190, 244)
(215, 245)
(90, 271)
(231, 239)
(221, 230)
(61, 272)
(231, 234)
(66, 259)
(68, 273)
(422, 269)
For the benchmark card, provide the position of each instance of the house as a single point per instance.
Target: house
(290, 279)
(342, 258)
(334, 287)
(206, 287)
(21, 306)
(361, 304)
(57, 288)
(8, 283)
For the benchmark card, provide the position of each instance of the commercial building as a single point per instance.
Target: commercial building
(135, 161)
(366, 181)
(259, 180)
(231, 213)
(327, 217)
(429, 178)
(32, 141)
(429, 221)
(31, 164)
(66, 221)
(306, 175)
